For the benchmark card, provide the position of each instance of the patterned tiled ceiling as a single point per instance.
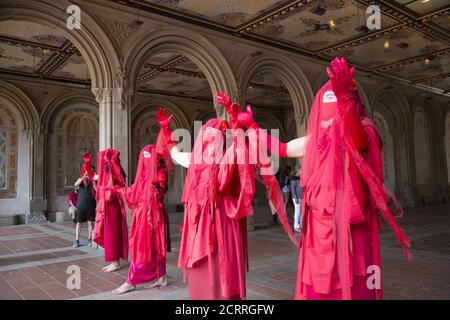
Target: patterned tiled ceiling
(413, 43)
(31, 49)
(171, 74)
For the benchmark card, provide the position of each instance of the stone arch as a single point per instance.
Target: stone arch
(195, 47)
(394, 100)
(24, 105)
(9, 129)
(91, 40)
(19, 119)
(144, 128)
(395, 110)
(73, 127)
(288, 72)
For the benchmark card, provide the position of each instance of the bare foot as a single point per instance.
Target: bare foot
(107, 267)
(161, 282)
(126, 287)
(112, 268)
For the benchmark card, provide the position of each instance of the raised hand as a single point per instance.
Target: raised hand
(87, 157)
(342, 78)
(232, 109)
(246, 118)
(223, 99)
(163, 120)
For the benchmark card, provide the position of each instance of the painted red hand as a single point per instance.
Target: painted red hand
(342, 78)
(232, 108)
(163, 120)
(223, 99)
(87, 157)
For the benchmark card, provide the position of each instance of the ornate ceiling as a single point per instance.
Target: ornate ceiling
(35, 50)
(413, 43)
(175, 75)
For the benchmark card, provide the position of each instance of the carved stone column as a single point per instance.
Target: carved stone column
(114, 118)
(38, 202)
(405, 168)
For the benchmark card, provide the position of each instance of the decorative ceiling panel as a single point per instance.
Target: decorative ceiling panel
(20, 58)
(323, 29)
(422, 7)
(32, 32)
(74, 68)
(430, 66)
(227, 12)
(399, 45)
(339, 21)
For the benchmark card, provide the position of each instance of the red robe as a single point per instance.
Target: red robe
(217, 198)
(149, 235)
(343, 193)
(111, 230)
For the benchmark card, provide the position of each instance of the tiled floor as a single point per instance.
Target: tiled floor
(34, 260)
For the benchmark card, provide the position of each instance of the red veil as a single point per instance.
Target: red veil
(142, 197)
(110, 177)
(230, 176)
(87, 168)
(326, 157)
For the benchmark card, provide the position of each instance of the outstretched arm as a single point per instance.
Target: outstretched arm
(293, 149)
(181, 158)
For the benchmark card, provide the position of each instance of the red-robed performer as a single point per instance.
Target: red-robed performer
(110, 230)
(149, 234)
(342, 178)
(217, 196)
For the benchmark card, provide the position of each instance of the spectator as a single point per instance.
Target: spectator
(297, 194)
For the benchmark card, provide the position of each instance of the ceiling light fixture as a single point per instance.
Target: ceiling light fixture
(332, 24)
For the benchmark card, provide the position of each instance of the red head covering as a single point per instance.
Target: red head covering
(87, 167)
(329, 150)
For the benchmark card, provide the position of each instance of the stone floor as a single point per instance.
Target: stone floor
(34, 260)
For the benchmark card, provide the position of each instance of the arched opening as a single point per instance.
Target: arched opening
(286, 77)
(180, 63)
(423, 153)
(273, 107)
(173, 81)
(73, 130)
(8, 151)
(41, 56)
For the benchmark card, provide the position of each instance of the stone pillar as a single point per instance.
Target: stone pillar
(114, 118)
(38, 202)
(440, 160)
(405, 168)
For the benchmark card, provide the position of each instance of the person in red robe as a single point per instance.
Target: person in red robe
(217, 196)
(343, 193)
(149, 235)
(111, 230)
